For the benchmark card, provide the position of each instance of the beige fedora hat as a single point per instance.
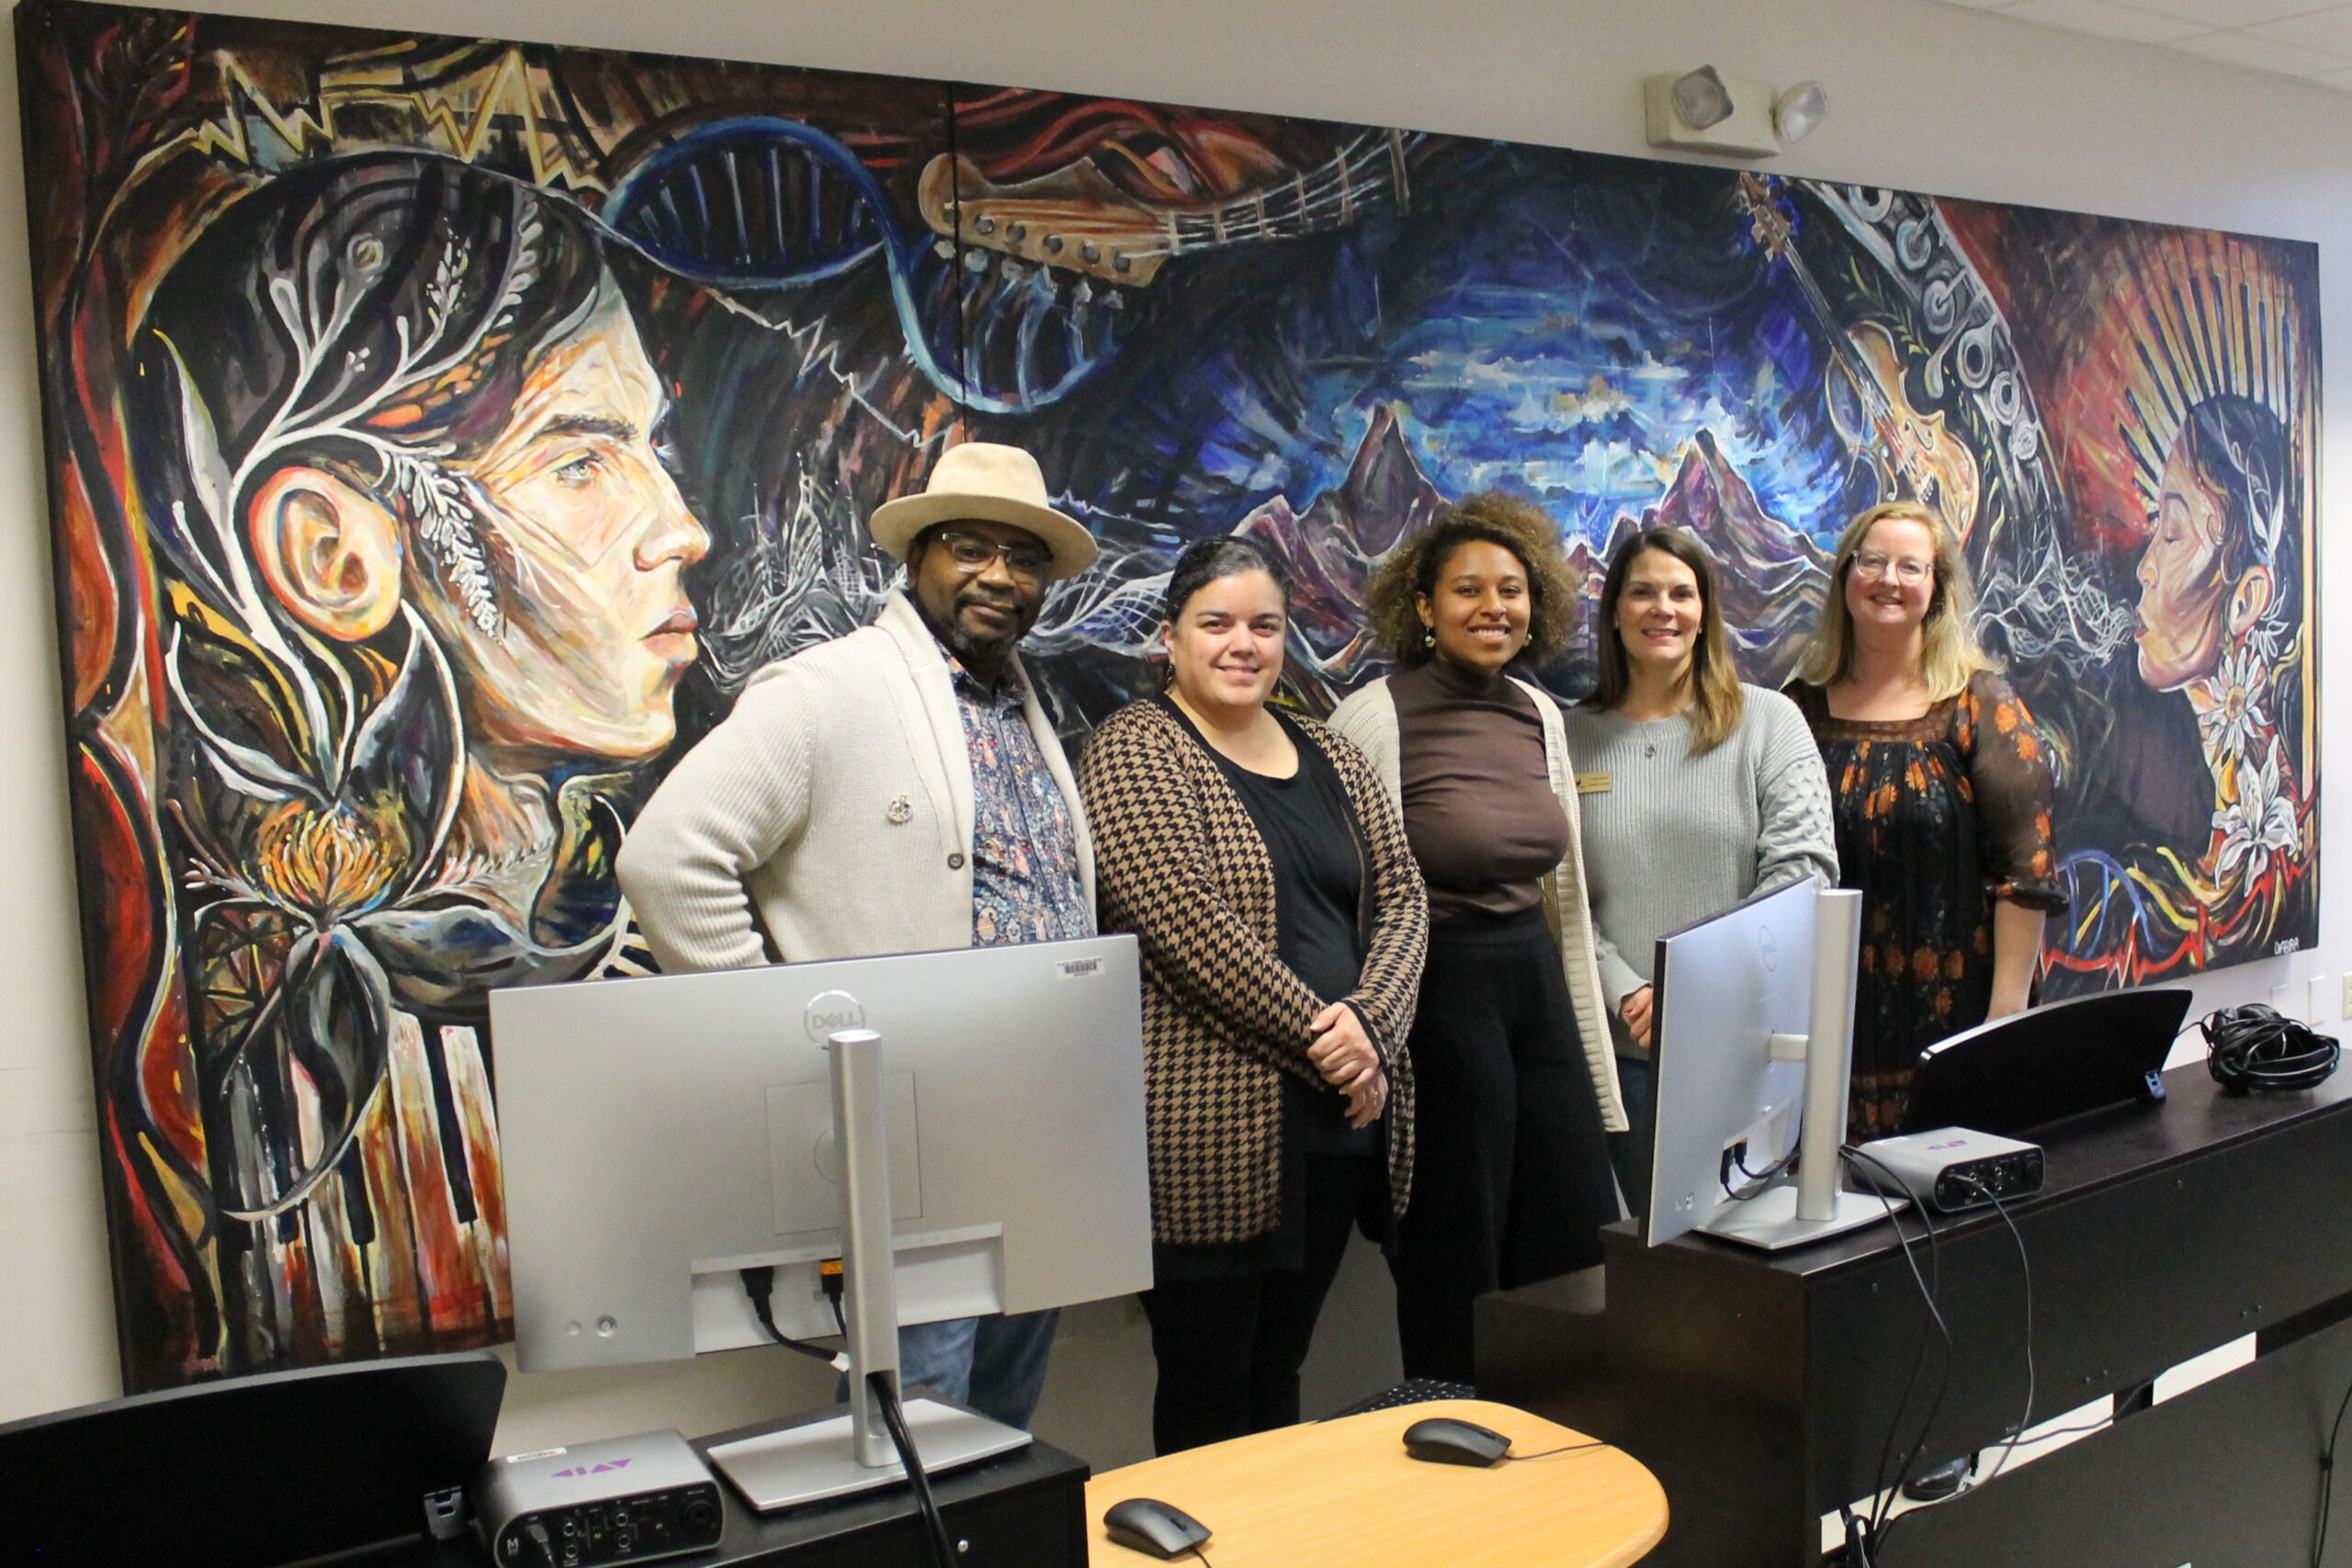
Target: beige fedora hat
(983, 482)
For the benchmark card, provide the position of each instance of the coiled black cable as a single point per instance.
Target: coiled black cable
(2255, 1047)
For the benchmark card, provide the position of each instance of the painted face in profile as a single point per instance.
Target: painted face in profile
(2183, 586)
(587, 539)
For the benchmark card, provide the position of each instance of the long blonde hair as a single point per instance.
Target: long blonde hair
(1949, 652)
(1716, 700)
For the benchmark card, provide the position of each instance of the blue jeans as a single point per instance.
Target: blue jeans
(995, 1365)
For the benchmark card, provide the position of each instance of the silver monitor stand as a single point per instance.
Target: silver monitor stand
(814, 1460)
(1816, 1205)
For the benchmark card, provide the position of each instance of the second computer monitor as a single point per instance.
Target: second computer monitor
(660, 1134)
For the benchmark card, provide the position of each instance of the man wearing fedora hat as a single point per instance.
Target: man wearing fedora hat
(895, 789)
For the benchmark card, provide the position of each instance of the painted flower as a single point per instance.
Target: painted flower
(326, 899)
(2260, 821)
(2228, 705)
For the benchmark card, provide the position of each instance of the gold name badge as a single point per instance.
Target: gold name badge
(1592, 783)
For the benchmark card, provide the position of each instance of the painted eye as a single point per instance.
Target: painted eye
(579, 470)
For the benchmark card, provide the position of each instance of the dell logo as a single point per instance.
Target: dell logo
(829, 1010)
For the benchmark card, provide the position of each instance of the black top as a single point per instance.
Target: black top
(1309, 829)
(1321, 934)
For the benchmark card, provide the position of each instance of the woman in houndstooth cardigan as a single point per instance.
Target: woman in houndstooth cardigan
(1264, 872)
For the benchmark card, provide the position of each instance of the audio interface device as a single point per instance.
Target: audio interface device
(619, 1500)
(1955, 1169)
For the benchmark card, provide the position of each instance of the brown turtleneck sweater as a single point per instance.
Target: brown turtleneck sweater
(1479, 810)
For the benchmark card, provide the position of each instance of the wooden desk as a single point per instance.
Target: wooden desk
(1344, 1493)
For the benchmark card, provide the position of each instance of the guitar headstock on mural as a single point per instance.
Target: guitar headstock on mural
(1074, 219)
(1912, 452)
(1765, 219)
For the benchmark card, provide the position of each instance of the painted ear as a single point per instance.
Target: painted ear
(329, 550)
(2249, 600)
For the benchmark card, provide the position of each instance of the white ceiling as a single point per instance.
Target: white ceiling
(2284, 38)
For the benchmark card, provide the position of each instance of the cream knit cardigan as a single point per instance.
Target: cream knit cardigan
(835, 802)
(1369, 718)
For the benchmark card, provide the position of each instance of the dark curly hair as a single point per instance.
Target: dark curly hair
(1494, 517)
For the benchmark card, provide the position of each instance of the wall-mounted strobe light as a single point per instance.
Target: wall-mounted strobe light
(1701, 98)
(1798, 110)
(1705, 111)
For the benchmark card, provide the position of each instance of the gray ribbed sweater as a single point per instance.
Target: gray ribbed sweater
(1674, 838)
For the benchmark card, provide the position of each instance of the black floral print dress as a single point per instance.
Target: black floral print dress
(1937, 817)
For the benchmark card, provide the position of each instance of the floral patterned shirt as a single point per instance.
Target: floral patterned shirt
(1024, 849)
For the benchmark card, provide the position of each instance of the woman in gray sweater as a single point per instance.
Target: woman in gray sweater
(1695, 791)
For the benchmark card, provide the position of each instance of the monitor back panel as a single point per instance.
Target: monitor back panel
(654, 1128)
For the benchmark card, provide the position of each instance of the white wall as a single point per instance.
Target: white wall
(1925, 96)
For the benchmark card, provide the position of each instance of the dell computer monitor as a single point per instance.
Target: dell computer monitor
(1753, 1035)
(660, 1134)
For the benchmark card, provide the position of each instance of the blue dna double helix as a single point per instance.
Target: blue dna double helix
(758, 202)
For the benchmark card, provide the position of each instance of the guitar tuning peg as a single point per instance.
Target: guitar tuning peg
(944, 248)
(1083, 293)
(975, 261)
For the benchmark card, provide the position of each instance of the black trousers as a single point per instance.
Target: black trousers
(1511, 1181)
(1633, 1149)
(1230, 1347)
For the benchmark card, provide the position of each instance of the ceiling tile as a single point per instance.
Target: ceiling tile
(2230, 13)
(2106, 19)
(2263, 54)
(2330, 31)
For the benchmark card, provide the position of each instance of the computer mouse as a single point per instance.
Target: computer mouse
(1444, 1440)
(1147, 1524)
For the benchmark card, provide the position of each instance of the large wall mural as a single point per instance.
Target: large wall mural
(440, 431)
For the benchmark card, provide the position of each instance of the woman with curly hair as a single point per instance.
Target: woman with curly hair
(1516, 1083)
(1677, 752)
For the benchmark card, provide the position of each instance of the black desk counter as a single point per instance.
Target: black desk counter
(1760, 1387)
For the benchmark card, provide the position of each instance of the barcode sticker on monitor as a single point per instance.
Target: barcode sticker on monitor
(1079, 969)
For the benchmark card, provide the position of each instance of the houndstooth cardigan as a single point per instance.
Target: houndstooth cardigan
(1180, 863)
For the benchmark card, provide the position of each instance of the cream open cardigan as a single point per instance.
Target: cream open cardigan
(837, 799)
(1369, 718)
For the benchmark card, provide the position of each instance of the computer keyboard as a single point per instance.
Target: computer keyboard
(1414, 1391)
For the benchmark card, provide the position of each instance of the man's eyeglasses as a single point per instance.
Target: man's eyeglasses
(1873, 565)
(1026, 559)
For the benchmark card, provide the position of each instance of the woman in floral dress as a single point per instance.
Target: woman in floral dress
(1942, 786)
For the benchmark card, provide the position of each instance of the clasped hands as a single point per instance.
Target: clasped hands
(1349, 1062)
